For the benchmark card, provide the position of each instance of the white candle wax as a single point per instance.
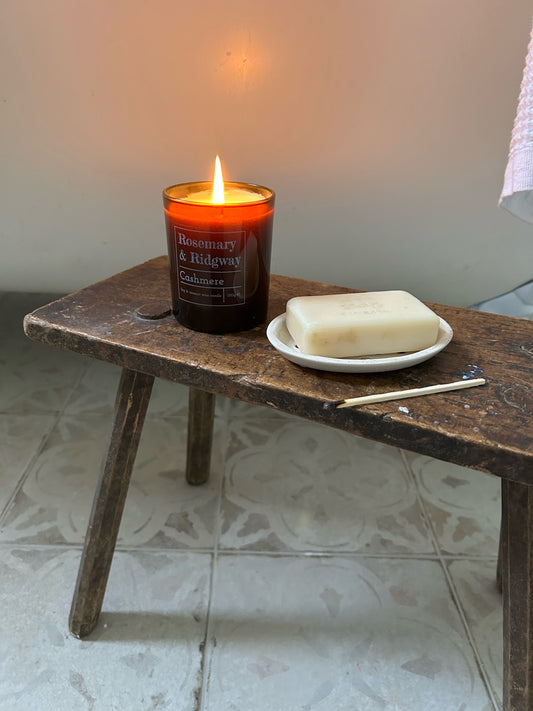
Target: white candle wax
(232, 196)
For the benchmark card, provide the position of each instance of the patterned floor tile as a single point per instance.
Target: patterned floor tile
(338, 633)
(97, 390)
(33, 377)
(288, 632)
(144, 654)
(463, 506)
(295, 485)
(475, 582)
(20, 439)
(36, 378)
(161, 508)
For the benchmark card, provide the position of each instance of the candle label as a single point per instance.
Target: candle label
(211, 266)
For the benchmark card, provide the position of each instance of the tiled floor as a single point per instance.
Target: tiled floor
(315, 571)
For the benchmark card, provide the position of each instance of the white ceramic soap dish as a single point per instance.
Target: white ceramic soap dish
(282, 341)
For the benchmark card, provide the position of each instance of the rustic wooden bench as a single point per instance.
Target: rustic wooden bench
(126, 320)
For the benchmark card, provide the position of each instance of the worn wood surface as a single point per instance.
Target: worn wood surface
(122, 320)
(199, 435)
(487, 428)
(517, 578)
(130, 409)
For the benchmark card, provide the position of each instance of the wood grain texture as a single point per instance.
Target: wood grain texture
(486, 428)
(130, 410)
(199, 435)
(517, 579)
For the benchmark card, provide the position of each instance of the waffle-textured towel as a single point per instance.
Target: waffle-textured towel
(517, 193)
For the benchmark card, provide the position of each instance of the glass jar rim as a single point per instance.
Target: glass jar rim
(264, 194)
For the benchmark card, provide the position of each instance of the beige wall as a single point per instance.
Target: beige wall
(383, 126)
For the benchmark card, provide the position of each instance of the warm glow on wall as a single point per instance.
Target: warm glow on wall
(241, 63)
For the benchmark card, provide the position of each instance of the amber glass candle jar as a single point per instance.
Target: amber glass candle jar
(219, 255)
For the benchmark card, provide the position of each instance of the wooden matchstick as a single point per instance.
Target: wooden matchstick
(413, 392)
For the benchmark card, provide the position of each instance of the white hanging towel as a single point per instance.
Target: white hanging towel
(517, 193)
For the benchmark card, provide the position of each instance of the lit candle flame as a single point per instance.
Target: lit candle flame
(218, 184)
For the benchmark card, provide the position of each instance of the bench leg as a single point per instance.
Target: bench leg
(517, 577)
(132, 401)
(199, 435)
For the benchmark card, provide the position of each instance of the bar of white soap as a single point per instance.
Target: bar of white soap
(369, 323)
